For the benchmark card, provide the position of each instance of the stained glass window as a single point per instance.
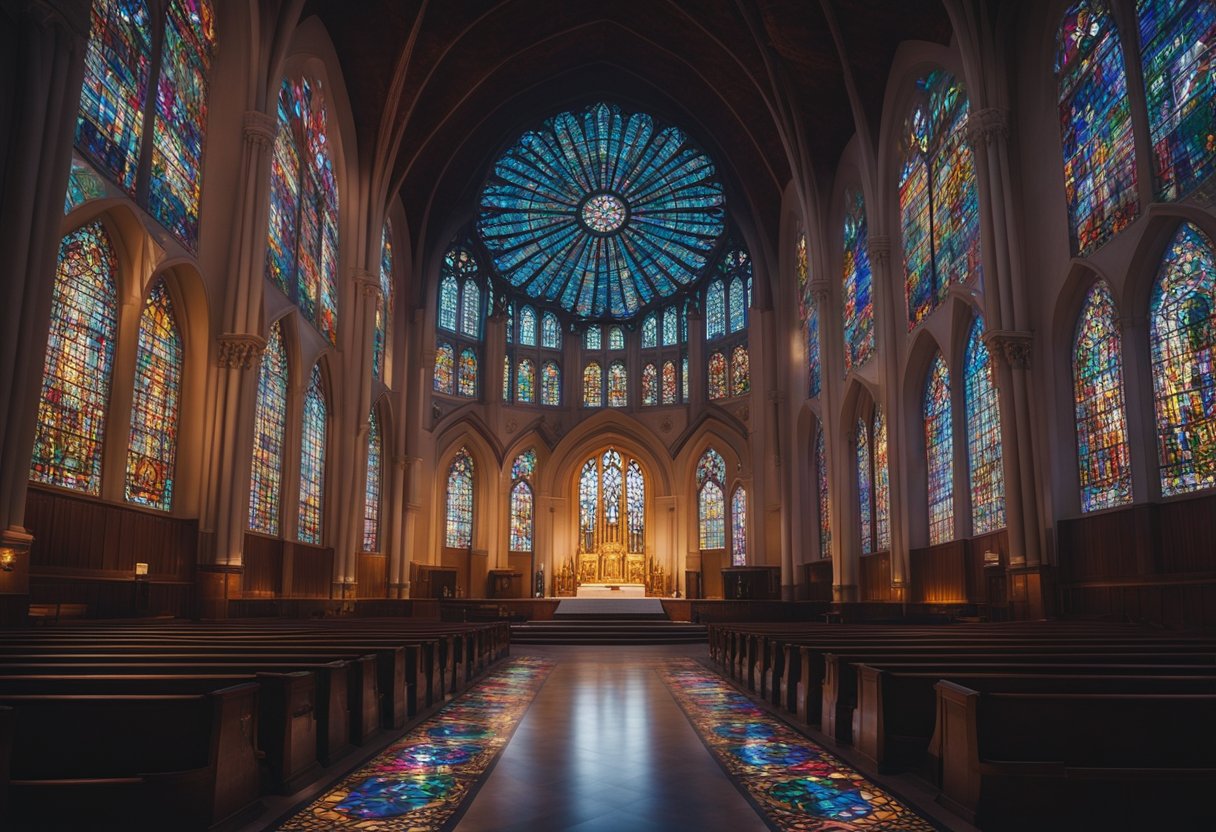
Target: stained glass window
(715, 311)
(550, 384)
(717, 376)
(591, 338)
(983, 436)
(527, 326)
(524, 465)
(650, 331)
(154, 404)
(466, 375)
(1176, 38)
(812, 349)
(635, 506)
(858, 304)
(459, 509)
(506, 378)
(117, 62)
(738, 305)
(75, 393)
(510, 328)
(616, 338)
(634, 203)
(448, 293)
(269, 428)
(470, 309)
(312, 460)
(740, 373)
(738, 527)
(650, 385)
(669, 382)
(882, 485)
(684, 377)
(613, 483)
(445, 369)
(821, 493)
(939, 452)
(1104, 463)
(588, 505)
(1182, 338)
(939, 207)
(384, 304)
(550, 332)
(521, 517)
(374, 487)
(865, 487)
(711, 500)
(671, 327)
(617, 390)
(593, 385)
(181, 117)
(302, 250)
(83, 185)
(525, 382)
(1095, 125)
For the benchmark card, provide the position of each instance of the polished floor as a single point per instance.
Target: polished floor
(605, 748)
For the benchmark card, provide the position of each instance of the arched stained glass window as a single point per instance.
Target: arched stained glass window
(858, 303)
(650, 331)
(302, 250)
(75, 396)
(506, 378)
(671, 327)
(593, 385)
(384, 304)
(525, 382)
(738, 305)
(821, 492)
(550, 384)
(588, 505)
(814, 373)
(1182, 339)
(269, 429)
(684, 377)
(865, 487)
(445, 369)
(591, 338)
(882, 484)
(635, 506)
(181, 117)
(527, 326)
(939, 207)
(711, 500)
(459, 509)
(669, 382)
(715, 310)
(117, 64)
(152, 448)
(650, 385)
(522, 503)
(524, 465)
(550, 332)
(448, 294)
(740, 371)
(510, 327)
(617, 384)
(1176, 39)
(718, 388)
(1095, 125)
(312, 460)
(470, 309)
(83, 185)
(983, 436)
(939, 452)
(613, 483)
(616, 338)
(466, 374)
(373, 488)
(738, 527)
(1104, 463)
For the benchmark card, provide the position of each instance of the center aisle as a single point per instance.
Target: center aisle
(605, 747)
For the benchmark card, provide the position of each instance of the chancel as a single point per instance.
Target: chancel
(529, 415)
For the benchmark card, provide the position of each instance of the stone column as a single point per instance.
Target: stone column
(40, 78)
(405, 485)
(697, 389)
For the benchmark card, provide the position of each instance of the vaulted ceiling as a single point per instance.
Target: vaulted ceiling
(438, 88)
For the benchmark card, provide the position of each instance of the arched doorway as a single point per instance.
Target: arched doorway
(612, 519)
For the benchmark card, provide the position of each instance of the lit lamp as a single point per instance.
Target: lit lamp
(141, 570)
(8, 559)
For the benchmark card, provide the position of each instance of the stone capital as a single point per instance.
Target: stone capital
(880, 249)
(819, 291)
(259, 128)
(366, 282)
(239, 351)
(1012, 347)
(74, 15)
(986, 126)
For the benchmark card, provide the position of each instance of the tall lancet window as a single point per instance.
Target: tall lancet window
(374, 486)
(821, 492)
(459, 509)
(269, 429)
(522, 501)
(865, 487)
(75, 396)
(711, 500)
(1104, 463)
(384, 305)
(312, 460)
(983, 436)
(152, 448)
(857, 294)
(738, 527)
(939, 452)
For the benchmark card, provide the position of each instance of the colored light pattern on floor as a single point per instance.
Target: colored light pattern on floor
(421, 781)
(795, 784)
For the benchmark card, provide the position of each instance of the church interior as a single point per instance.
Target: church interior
(741, 414)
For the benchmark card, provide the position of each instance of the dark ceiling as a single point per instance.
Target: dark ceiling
(736, 74)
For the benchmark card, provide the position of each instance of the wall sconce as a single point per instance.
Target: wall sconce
(8, 559)
(141, 570)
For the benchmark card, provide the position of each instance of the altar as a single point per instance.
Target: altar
(599, 590)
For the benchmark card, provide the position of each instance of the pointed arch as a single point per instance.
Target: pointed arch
(522, 501)
(550, 332)
(711, 500)
(715, 310)
(618, 391)
(527, 326)
(865, 486)
(458, 510)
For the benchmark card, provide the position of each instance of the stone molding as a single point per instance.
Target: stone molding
(1013, 347)
(239, 351)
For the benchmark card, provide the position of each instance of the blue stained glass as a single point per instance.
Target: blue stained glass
(269, 427)
(588, 505)
(592, 339)
(466, 374)
(715, 311)
(711, 508)
(510, 328)
(524, 465)
(616, 338)
(865, 487)
(635, 505)
(470, 309)
(521, 517)
(459, 513)
(939, 452)
(550, 332)
(602, 212)
(384, 305)
(83, 185)
(983, 436)
(738, 306)
(613, 482)
(684, 378)
(527, 326)
(448, 293)
(858, 303)
(671, 327)
(650, 385)
(312, 460)
(650, 331)
(525, 382)
(506, 378)
(550, 384)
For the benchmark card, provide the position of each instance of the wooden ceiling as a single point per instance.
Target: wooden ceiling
(439, 87)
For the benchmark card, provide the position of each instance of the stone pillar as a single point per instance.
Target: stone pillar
(697, 389)
(40, 78)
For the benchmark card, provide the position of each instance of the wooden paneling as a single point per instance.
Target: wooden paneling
(312, 570)
(521, 562)
(940, 573)
(712, 561)
(373, 575)
(817, 580)
(112, 597)
(876, 578)
(1112, 544)
(458, 559)
(1187, 542)
(263, 577)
